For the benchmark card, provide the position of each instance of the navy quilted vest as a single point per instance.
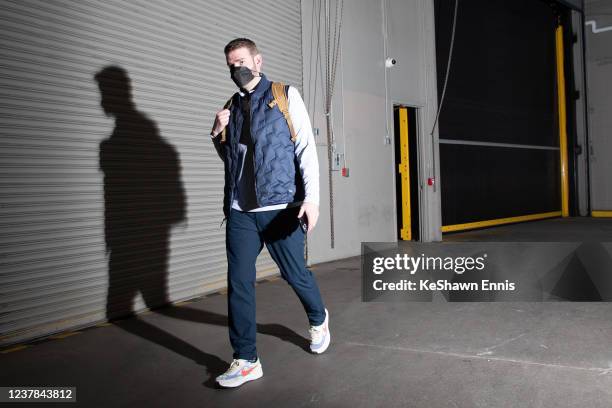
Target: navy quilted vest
(278, 179)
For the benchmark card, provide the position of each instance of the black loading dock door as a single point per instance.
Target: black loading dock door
(499, 128)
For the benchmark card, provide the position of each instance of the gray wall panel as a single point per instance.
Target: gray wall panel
(364, 202)
(599, 73)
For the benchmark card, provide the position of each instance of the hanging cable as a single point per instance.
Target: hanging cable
(448, 65)
(385, 55)
(314, 56)
(331, 62)
(312, 86)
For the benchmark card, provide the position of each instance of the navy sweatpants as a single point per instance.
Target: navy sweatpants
(246, 233)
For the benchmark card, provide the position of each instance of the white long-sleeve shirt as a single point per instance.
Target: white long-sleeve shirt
(305, 151)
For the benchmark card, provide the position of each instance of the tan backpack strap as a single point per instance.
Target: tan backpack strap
(227, 105)
(280, 99)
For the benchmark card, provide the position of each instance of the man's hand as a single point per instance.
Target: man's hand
(221, 121)
(312, 214)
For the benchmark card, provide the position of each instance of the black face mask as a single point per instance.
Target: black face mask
(241, 75)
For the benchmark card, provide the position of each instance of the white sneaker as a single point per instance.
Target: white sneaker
(239, 372)
(320, 336)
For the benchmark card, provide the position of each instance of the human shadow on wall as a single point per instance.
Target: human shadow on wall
(144, 198)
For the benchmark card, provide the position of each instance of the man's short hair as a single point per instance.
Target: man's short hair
(239, 43)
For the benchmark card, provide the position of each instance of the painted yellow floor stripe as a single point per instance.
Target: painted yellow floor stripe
(601, 213)
(64, 335)
(16, 348)
(54, 337)
(499, 221)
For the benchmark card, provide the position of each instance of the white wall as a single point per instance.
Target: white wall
(599, 74)
(364, 202)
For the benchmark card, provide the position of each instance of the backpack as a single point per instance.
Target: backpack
(280, 100)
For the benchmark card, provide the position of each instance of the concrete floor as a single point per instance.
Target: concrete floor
(430, 355)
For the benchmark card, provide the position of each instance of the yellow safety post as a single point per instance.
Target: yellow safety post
(406, 231)
(562, 123)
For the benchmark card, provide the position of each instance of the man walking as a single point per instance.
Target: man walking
(271, 197)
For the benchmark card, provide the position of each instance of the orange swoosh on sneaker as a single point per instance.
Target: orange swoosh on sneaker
(246, 371)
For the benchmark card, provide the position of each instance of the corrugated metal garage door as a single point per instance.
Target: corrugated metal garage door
(87, 198)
